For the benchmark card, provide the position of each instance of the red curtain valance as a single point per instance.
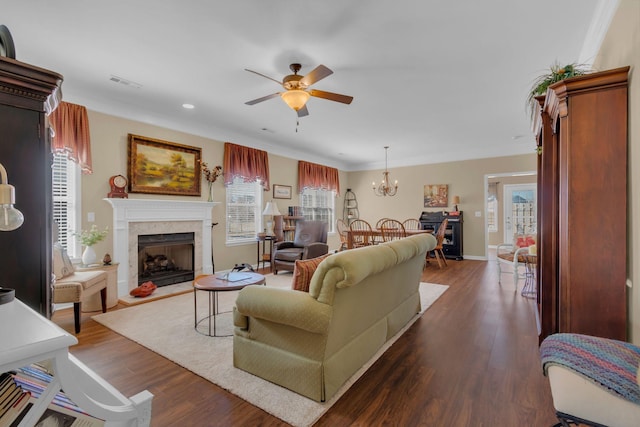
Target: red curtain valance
(247, 163)
(317, 177)
(70, 126)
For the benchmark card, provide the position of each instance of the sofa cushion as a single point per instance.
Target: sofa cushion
(288, 254)
(303, 271)
(62, 266)
(524, 240)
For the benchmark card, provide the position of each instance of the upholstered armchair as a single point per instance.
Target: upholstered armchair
(72, 286)
(310, 241)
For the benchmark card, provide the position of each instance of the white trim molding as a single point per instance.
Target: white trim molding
(163, 216)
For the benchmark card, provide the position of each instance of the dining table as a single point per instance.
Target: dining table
(375, 234)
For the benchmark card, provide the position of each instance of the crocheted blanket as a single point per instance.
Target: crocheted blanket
(609, 363)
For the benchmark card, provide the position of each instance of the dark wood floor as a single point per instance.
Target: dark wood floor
(471, 360)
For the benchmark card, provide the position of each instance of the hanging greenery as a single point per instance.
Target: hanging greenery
(557, 73)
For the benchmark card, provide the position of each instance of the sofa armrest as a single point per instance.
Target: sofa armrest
(314, 250)
(288, 307)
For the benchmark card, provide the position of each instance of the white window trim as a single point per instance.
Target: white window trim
(258, 219)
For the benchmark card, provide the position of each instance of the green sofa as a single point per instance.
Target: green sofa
(313, 342)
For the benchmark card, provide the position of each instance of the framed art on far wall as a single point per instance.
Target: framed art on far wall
(163, 167)
(281, 191)
(436, 196)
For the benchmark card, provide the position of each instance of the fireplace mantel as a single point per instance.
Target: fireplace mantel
(132, 211)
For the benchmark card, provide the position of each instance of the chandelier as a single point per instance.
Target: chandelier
(385, 188)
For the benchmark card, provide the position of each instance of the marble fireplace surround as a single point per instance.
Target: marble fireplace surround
(133, 217)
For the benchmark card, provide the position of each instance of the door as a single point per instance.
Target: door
(519, 210)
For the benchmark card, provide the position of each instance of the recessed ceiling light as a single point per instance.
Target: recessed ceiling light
(188, 106)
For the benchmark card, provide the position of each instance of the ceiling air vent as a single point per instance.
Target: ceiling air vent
(125, 82)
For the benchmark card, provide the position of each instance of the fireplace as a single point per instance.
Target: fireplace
(134, 217)
(165, 259)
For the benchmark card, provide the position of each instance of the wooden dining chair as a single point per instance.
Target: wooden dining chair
(378, 239)
(412, 224)
(342, 227)
(362, 226)
(392, 230)
(437, 251)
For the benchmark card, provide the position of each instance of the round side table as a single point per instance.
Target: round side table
(212, 284)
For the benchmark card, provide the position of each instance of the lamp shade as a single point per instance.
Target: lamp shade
(456, 200)
(295, 98)
(271, 209)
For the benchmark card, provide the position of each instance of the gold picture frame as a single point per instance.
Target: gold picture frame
(281, 191)
(162, 167)
(436, 196)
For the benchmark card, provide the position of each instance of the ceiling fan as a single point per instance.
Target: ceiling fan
(297, 91)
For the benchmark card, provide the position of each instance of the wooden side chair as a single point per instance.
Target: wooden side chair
(364, 239)
(392, 230)
(412, 224)
(437, 251)
(342, 227)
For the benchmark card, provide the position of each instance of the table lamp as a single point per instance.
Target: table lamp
(270, 209)
(456, 200)
(10, 217)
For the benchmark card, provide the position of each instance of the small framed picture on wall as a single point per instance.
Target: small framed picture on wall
(281, 191)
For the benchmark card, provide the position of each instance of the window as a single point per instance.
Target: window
(492, 215)
(318, 205)
(244, 216)
(66, 202)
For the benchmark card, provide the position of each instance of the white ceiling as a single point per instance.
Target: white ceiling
(435, 80)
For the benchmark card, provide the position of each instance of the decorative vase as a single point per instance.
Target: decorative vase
(89, 256)
(210, 199)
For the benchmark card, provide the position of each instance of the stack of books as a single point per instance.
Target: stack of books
(21, 388)
(295, 211)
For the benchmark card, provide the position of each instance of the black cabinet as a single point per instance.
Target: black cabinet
(25, 253)
(452, 243)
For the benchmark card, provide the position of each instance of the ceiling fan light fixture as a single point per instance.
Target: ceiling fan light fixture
(295, 98)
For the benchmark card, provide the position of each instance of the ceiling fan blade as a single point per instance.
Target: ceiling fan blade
(264, 98)
(303, 112)
(266, 77)
(317, 74)
(331, 96)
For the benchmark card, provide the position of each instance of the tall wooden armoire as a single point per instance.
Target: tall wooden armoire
(582, 206)
(26, 92)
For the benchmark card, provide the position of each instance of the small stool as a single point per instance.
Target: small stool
(594, 381)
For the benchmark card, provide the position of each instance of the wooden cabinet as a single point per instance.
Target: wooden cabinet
(453, 238)
(582, 206)
(26, 92)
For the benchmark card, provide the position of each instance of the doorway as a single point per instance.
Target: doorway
(519, 210)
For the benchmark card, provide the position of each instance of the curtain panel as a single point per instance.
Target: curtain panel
(70, 125)
(317, 177)
(247, 163)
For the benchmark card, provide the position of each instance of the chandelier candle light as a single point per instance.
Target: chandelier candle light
(385, 188)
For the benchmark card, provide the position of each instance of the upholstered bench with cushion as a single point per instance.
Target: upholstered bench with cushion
(594, 381)
(71, 286)
(312, 342)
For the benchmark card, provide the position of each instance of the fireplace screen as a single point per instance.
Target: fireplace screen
(165, 259)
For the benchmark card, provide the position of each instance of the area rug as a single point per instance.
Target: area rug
(166, 326)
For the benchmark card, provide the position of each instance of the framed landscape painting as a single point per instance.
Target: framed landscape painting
(436, 196)
(162, 167)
